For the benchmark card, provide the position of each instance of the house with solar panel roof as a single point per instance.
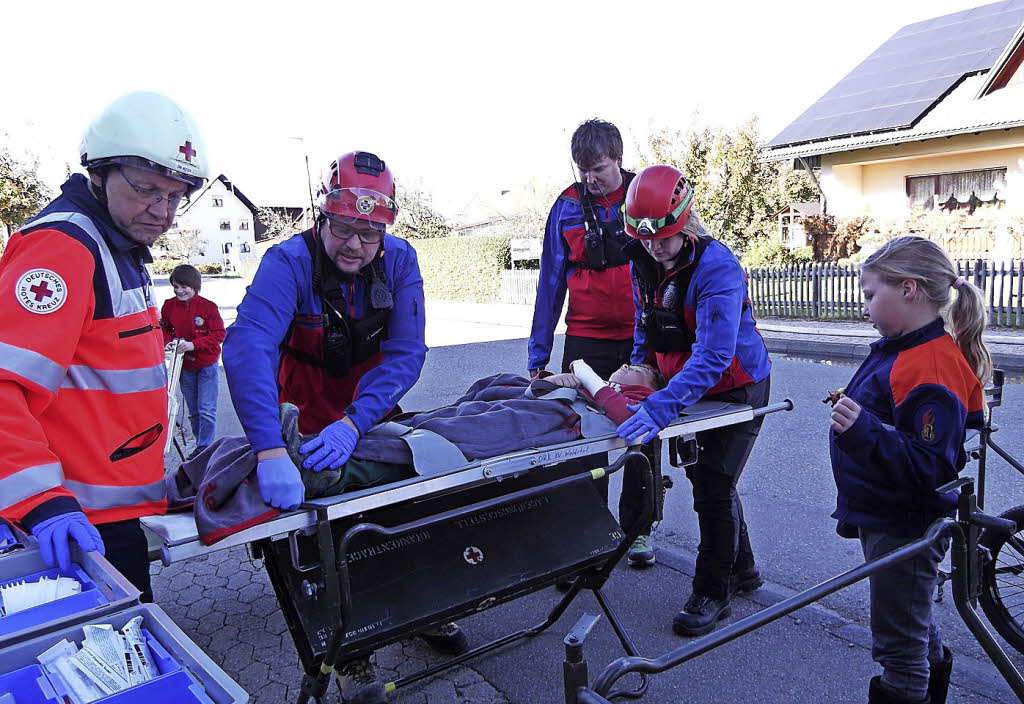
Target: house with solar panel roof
(932, 119)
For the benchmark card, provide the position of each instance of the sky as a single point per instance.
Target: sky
(461, 99)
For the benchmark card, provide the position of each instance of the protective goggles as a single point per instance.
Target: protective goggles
(648, 227)
(347, 205)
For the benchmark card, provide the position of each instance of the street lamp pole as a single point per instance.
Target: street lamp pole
(309, 180)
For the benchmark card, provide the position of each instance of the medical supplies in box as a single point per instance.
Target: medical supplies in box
(136, 656)
(45, 599)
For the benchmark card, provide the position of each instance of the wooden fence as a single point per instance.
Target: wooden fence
(519, 286)
(829, 290)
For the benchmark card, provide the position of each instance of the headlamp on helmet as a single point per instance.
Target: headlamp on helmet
(359, 186)
(658, 203)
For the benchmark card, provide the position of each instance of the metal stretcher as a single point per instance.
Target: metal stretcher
(358, 571)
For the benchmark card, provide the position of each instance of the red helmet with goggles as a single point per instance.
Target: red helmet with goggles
(359, 186)
(658, 203)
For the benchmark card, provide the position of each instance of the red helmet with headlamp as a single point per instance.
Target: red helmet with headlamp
(358, 186)
(658, 203)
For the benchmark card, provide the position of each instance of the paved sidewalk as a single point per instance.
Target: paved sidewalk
(451, 323)
(225, 603)
(459, 323)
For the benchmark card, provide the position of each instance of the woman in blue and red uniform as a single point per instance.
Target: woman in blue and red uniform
(693, 319)
(897, 435)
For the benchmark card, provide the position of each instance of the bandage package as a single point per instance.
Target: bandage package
(21, 595)
(108, 662)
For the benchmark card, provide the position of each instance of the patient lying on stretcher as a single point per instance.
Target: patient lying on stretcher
(497, 415)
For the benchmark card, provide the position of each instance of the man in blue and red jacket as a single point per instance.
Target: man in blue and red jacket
(694, 321)
(333, 323)
(583, 255)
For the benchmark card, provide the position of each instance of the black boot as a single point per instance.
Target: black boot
(878, 694)
(700, 614)
(938, 678)
(446, 638)
(746, 581)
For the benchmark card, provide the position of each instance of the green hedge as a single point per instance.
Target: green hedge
(463, 268)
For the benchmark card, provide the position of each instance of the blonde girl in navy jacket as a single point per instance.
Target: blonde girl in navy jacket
(896, 435)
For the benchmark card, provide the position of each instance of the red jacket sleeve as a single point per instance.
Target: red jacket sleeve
(166, 325)
(614, 404)
(38, 347)
(215, 325)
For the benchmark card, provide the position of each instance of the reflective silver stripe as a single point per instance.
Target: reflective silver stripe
(124, 302)
(33, 366)
(28, 482)
(96, 497)
(116, 381)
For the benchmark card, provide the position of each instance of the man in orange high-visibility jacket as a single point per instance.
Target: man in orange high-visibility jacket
(83, 400)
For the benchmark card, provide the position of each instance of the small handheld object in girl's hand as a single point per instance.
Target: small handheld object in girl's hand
(833, 396)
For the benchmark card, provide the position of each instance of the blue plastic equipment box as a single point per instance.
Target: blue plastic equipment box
(187, 675)
(104, 591)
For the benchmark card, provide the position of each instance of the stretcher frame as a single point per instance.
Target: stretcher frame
(181, 539)
(316, 518)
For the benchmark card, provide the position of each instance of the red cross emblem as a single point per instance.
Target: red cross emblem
(41, 290)
(187, 150)
(473, 555)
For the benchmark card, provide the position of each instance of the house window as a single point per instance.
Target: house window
(218, 202)
(961, 189)
(243, 225)
(225, 224)
(227, 248)
(244, 248)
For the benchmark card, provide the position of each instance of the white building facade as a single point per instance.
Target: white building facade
(226, 221)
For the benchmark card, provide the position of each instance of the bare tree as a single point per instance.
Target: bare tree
(181, 244)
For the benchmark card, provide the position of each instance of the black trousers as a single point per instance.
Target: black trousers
(604, 357)
(128, 551)
(724, 542)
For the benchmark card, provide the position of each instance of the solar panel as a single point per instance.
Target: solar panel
(902, 79)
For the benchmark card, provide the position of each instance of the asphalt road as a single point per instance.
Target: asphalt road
(787, 487)
(788, 495)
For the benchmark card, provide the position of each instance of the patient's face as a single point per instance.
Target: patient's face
(634, 374)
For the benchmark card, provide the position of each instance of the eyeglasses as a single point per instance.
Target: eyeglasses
(152, 196)
(343, 233)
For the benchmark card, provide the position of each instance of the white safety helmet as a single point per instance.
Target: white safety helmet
(147, 131)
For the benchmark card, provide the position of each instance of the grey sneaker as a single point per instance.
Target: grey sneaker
(360, 684)
(641, 553)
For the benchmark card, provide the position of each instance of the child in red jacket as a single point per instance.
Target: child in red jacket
(193, 323)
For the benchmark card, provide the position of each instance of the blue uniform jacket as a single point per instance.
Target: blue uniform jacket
(282, 289)
(918, 395)
(728, 353)
(599, 301)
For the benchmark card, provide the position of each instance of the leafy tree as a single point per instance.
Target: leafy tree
(22, 192)
(417, 218)
(736, 194)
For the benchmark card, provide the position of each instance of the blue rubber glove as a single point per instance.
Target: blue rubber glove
(280, 483)
(640, 425)
(331, 448)
(55, 535)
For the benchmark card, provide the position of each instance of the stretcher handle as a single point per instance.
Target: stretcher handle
(784, 405)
